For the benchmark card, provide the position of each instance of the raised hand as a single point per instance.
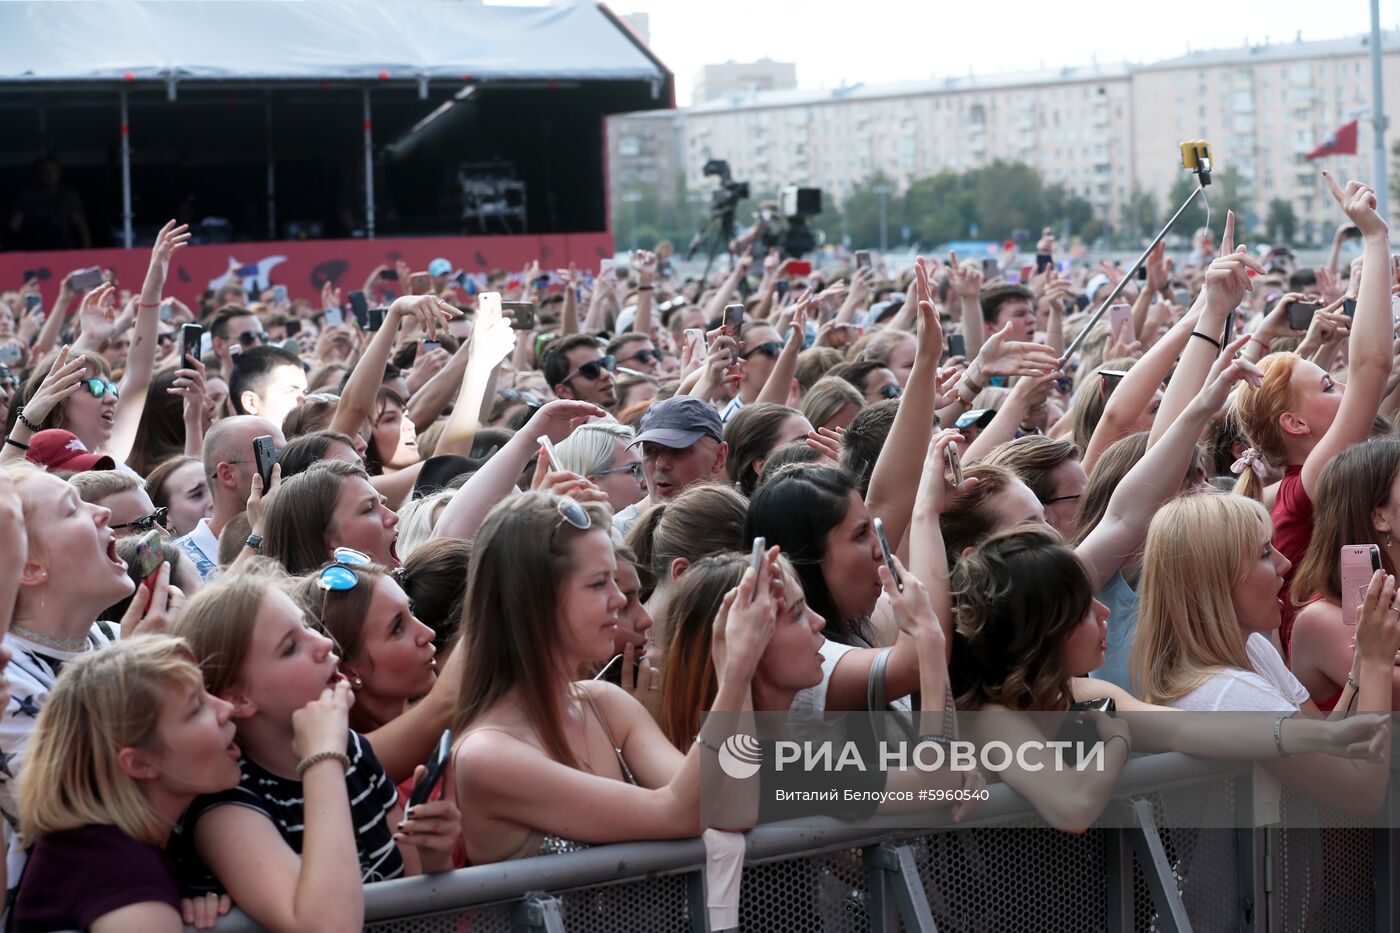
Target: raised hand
(1001, 356)
(1378, 622)
(171, 239)
(492, 337)
(746, 620)
(155, 607)
(965, 277)
(62, 381)
(935, 488)
(559, 418)
(1359, 204)
(97, 316)
(189, 384)
(428, 311)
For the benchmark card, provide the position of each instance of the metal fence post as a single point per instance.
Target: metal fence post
(696, 900)
(1118, 875)
(538, 912)
(892, 871)
(1147, 843)
(1387, 843)
(1250, 864)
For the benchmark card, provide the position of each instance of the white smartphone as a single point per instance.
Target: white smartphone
(489, 302)
(760, 547)
(696, 338)
(333, 317)
(549, 452)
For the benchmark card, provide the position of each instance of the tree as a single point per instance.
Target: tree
(1140, 217)
(939, 209)
(1009, 197)
(1282, 222)
(862, 211)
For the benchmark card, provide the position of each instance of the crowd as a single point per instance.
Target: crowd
(263, 549)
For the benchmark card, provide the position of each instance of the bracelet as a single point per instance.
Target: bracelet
(646, 288)
(319, 757)
(963, 400)
(26, 422)
(14, 443)
(1208, 339)
(1258, 340)
(1278, 737)
(703, 744)
(937, 739)
(1351, 682)
(144, 305)
(972, 383)
(1127, 746)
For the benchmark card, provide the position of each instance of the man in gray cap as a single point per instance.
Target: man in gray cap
(682, 444)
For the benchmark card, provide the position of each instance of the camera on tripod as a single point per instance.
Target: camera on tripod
(725, 198)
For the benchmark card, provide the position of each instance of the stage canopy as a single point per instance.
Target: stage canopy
(301, 40)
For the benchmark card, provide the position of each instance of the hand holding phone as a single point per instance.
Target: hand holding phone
(437, 767)
(760, 547)
(696, 338)
(957, 346)
(521, 314)
(733, 317)
(1300, 314)
(190, 337)
(549, 451)
(1359, 562)
(264, 457)
(1120, 323)
(862, 259)
(954, 463)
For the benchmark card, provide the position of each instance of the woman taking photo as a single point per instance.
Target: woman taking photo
(314, 814)
(549, 763)
(127, 739)
(1357, 503)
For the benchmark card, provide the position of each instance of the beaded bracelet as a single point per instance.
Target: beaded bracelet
(319, 757)
(26, 422)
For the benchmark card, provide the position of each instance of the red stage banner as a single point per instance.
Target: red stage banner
(305, 265)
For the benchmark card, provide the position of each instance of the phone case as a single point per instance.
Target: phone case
(1359, 562)
(1120, 322)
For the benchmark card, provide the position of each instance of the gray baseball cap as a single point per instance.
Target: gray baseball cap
(678, 422)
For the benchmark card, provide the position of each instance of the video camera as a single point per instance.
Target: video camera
(725, 198)
(784, 223)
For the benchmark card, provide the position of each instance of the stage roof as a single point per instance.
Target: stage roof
(203, 41)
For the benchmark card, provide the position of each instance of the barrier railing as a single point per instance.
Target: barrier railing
(981, 874)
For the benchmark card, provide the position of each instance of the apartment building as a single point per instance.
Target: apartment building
(1101, 130)
(716, 81)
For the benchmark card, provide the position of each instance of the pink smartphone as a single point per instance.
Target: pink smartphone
(1120, 322)
(1359, 563)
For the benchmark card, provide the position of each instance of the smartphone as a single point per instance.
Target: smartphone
(549, 452)
(190, 339)
(376, 318)
(429, 346)
(990, 268)
(279, 294)
(760, 547)
(607, 268)
(957, 345)
(1300, 314)
(85, 280)
(32, 302)
(885, 552)
(1120, 322)
(437, 767)
(862, 259)
(1142, 273)
(1229, 329)
(734, 317)
(149, 556)
(420, 283)
(1043, 261)
(521, 314)
(359, 306)
(389, 275)
(1104, 705)
(11, 354)
(333, 317)
(798, 268)
(1359, 562)
(1349, 306)
(264, 456)
(954, 463)
(696, 338)
(780, 288)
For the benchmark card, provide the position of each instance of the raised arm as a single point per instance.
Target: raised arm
(895, 477)
(726, 290)
(1158, 475)
(779, 383)
(1369, 346)
(966, 282)
(928, 558)
(357, 401)
(646, 290)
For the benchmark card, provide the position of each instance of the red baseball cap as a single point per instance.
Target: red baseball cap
(61, 450)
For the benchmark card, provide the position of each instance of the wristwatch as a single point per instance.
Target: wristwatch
(254, 542)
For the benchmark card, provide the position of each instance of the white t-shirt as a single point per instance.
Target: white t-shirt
(1270, 688)
(812, 700)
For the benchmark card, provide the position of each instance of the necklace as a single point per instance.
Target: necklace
(58, 644)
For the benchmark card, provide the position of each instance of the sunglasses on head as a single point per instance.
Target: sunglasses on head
(100, 387)
(767, 349)
(250, 337)
(146, 522)
(515, 395)
(593, 369)
(571, 513)
(339, 576)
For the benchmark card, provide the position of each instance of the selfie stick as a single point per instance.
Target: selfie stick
(1195, 155)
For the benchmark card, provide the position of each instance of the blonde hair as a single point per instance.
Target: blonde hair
(1197, 549)
(1257, 413)
(416, 520)
(95, 485)
(827, 398)
(589, 450)
(218, 622)
(105, 701)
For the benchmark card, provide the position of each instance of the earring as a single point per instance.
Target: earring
(356, 682)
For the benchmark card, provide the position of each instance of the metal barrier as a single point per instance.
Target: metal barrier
(975, 876)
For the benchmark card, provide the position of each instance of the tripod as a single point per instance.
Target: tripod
(715, 235)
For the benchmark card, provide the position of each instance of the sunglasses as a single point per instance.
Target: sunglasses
(250, 337)
(100, 387)
(146, 522)
(515, 395)
(593, 369)
(571, 513)
(646, 355)
(767, 349)
(340, 576)
(634, 468)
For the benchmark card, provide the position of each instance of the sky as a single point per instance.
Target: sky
(877, 41)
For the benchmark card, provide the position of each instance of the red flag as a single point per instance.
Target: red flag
(1342, 142)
